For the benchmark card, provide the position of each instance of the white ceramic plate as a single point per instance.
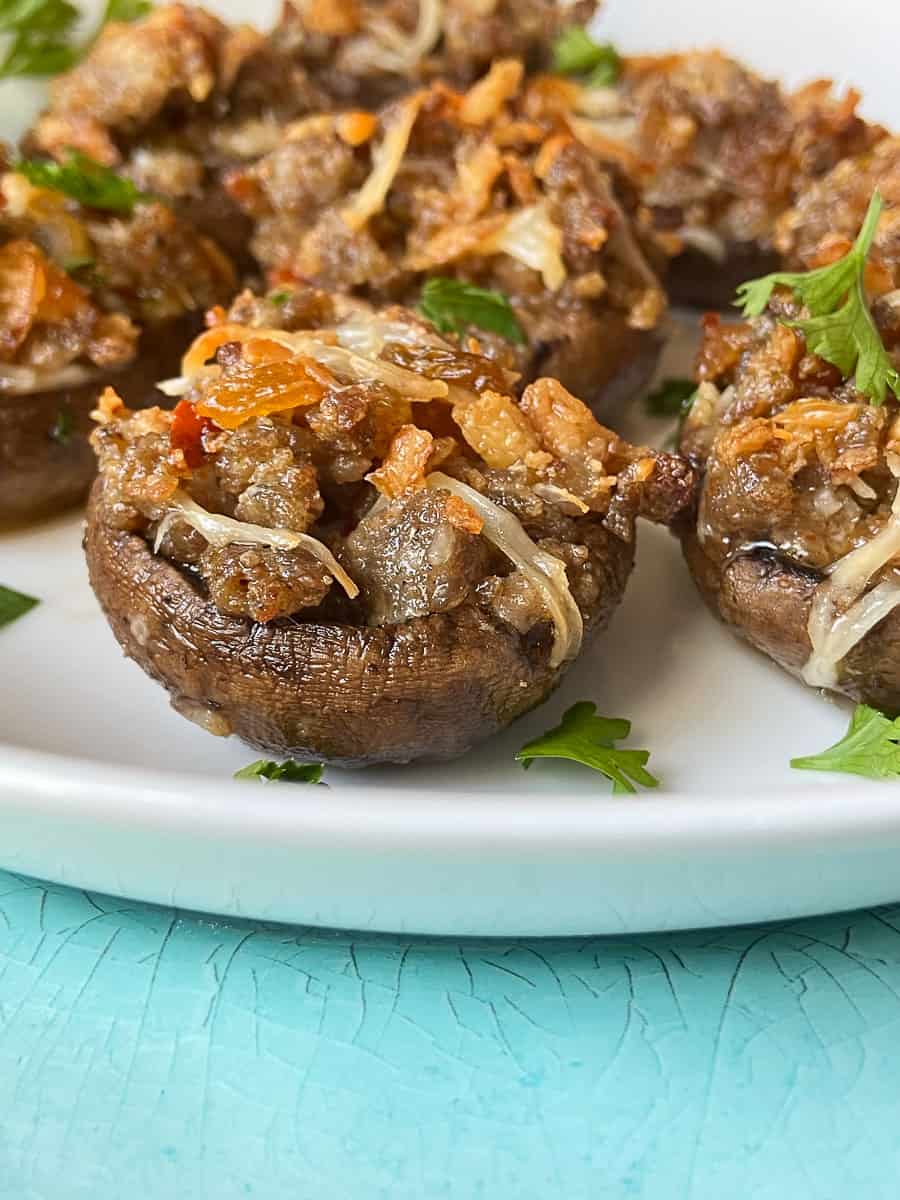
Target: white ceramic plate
(103, 786)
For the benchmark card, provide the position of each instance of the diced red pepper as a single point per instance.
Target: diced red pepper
(187, 431)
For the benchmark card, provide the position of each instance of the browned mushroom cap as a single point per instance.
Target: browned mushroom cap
(767, 601)
(607, 364)
(46, 464)
(429, 688)
(696, 279)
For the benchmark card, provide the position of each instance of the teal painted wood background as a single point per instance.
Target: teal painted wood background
(151, 1054)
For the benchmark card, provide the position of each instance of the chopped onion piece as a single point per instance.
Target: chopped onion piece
(545, 572)
(386, 161)
(225, 531)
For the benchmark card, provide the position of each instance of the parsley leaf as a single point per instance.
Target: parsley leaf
(576, 53)
(585, 738)
(42, 33)
(85, 180)
(870, 747)
(280, 298)
(40, 36)
(839, 328)
(14, 605)
(125, 10)
(673, 398)
(286, 772)
(452, 305)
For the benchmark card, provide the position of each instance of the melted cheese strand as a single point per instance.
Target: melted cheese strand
(225, 531)
(832, 639)
(545, 572)
(386, 161)
(402, 52)
(531, 237)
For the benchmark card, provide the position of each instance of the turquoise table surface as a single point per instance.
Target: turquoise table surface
(149, 1054)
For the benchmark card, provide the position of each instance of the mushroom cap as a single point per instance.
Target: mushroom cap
(429, 688)
(696, 280)
(767, 599)
(41, 474)
(607, 367)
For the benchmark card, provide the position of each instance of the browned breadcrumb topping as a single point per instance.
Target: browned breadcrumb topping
(338, 444)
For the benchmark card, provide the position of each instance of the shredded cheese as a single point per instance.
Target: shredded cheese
(545, 572)
(225, 531)
(531, 237)
(832, 637)
(401, 52)
(386, 160)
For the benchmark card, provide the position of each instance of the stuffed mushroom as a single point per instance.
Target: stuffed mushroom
(176, 98)
(87, 295)
(718, 153)
(492, 188)
(350, 541)
(796, 429)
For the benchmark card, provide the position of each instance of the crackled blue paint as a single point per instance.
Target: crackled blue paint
(149, 1054)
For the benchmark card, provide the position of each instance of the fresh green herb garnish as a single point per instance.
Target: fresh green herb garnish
(86, 181)
(839, 328)
(63, 426)
(576, 53)
(280, 298)
(585, 738)
(673, 398)
(42, 33)
(286, 772)
(870, 747)
(125, 10)
(14, 605)
(452, 306)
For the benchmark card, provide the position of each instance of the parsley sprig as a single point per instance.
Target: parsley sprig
(576, 53)
(452, 306)
(14, 605)
(870, 747)
(84, 180)
(585, 738)
(285, 772)
(42, 33)
(839, 328)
